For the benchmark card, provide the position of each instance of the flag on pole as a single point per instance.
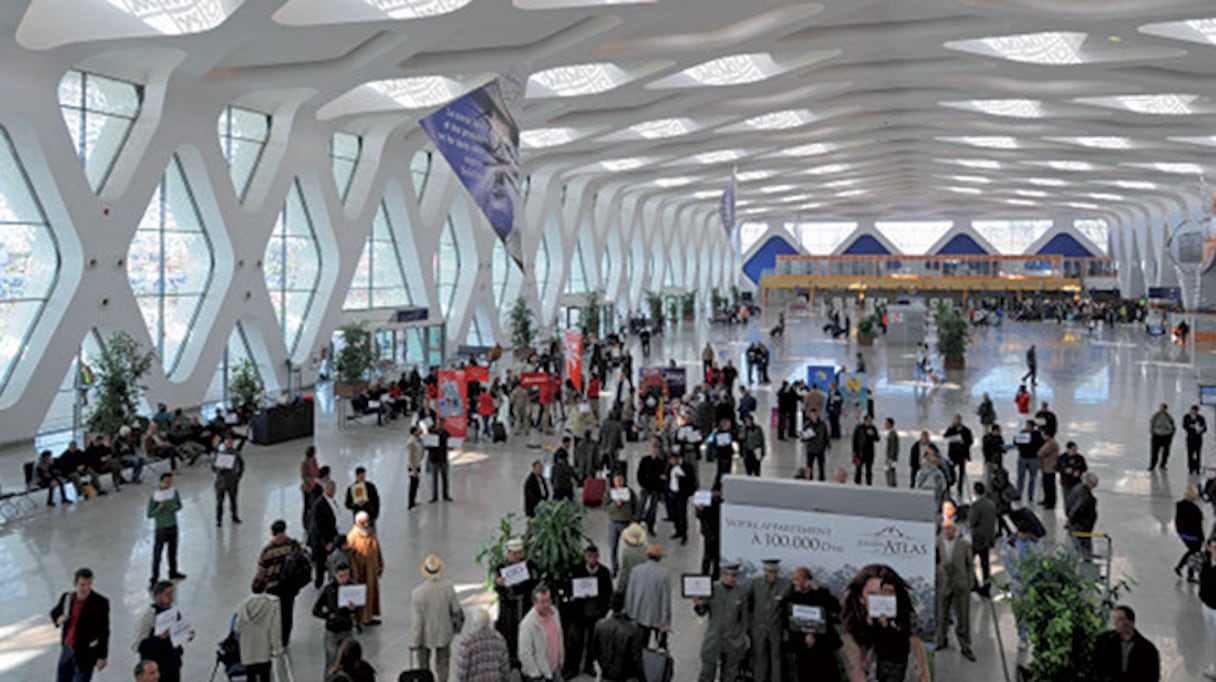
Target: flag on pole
(480, 140)
(726, 209)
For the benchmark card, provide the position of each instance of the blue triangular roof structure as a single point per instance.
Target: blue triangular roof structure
(1065, 245)
(866, 245)
(962, 245)
(765, 257)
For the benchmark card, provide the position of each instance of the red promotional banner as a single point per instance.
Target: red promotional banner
(477, 373)
(574, 357)
(453, 391)
(539, 381)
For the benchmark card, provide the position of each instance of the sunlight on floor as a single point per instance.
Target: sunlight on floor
(25, 640)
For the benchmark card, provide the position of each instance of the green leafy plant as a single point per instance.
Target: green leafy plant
(717, 299)
(1062, 608)
(554, 539)
(952, 336)
(592, 312)
(522, 331)
(866, 327)
(491, 552)
(355, 358)
(654, 303)
(117, 373)
(244, 385)
(734, 296)
(688, 304)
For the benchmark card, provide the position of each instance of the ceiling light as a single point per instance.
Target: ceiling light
(1082, 205)
(1158, 105)
(718, 156)
(847, 182)
(984, 164)
(971, 178)
(993, 141)
(1169, 167)
(851, 193)
(540, 138)
(794, 198)
(615, 165)
(813, 149)
(420, 92)
(1106, 197)
(415, 9)
(663, 127)
(828, 169)
(707, 194)
(1046, 182)
(777, 189)
(576, 79)
(810, 206)
(1204, 141)
(674, 182)
(1012, 108)
(1096, 142)
(1063, 165)
(1129, 184)
(748, 176)
(780, 120)
(1030, 193)
(1115, 39)
(965, 190)
(1021, 202)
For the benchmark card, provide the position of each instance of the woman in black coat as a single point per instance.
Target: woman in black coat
(1188, 523)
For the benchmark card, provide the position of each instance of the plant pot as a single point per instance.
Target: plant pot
(865, 340)
(956, 363)
(343, 390)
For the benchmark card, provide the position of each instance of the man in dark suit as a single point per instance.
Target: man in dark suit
(437, 455)
(585, 612)
(536, 490)
(83, 617)
(982, 520)
(1123, 654)
(322, 530)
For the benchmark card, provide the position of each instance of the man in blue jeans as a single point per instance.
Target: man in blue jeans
(83, 619)
(1028, 442)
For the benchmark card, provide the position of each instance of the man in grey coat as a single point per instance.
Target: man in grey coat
(767, 595)
(228, 466)
(437, 617)
(982, 520)
(954, 580)
(725, 642)
(648, 597)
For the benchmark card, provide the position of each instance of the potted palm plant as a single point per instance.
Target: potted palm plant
(354, 360)
(523, 334)
(866, 332)
(952, 337)
(117, 373)
(244, 386)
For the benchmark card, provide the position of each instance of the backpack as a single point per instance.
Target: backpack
(296, 571)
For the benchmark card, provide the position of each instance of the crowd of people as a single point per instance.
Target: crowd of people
(692, 439)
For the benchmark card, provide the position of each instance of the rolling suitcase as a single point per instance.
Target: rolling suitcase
(498, 432)
(1025, 518)
(593, 491)
(657, 666)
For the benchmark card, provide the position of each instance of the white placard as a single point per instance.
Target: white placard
(181, 632)
(1040, 421)
(232, 418)
(352, 594)
(584, 408)
(619, 494)
(1023, 438)
(373, 404)
(722, 438)
(430, 440)
(702, 498)
(164, 621)
(515, 573)
(809, 614)
(954, 439)
(586, 587)
(883, 605)
(164, 495)
(384, 397)
(225, 461)
(696, 586)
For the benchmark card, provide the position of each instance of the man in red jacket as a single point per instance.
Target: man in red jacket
(83, 617)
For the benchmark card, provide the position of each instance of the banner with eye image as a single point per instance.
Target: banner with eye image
(479, 137)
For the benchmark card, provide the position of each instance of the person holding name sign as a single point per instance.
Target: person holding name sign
(362, 496)
(163, 506)
(513, 581)
(622, 511)
(228, 467)
(339, 614)
(878, 636)
(591, 587)
(161, 631)
(811, 621)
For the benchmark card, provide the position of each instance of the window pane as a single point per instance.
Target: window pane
(499, 271)
(379, 273)
(542, 266)
(344, 151)
(420, 170)
(913, 237)
(292, 264)
(1096, 229)
(98, 113)
(1011, 237)
(448, 270)
(819, 239)
(243, 134)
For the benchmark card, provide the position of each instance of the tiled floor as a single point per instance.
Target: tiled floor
(1102, 385)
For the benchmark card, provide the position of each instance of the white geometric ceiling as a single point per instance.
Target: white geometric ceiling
(853, 107)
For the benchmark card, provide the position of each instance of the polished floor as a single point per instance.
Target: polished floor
(1102, 385)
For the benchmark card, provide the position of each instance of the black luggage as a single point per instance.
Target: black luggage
(498, 432)
(657, 666)
(1025, 519)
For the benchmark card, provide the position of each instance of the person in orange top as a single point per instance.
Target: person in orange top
(367, 565)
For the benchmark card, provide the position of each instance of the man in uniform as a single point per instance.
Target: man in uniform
(513, 600)
(812, 643)
(766, 598)
(725, 642)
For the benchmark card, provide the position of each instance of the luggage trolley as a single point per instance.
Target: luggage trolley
(1088, 567)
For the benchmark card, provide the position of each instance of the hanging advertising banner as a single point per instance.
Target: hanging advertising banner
(650, 379)
(453, 391)
(855, 387)
(572, 346)
(726, 209)
(480, 140)
(478, 373)
(820, 375)
(538, 381)
(839, 534)
(676, 379)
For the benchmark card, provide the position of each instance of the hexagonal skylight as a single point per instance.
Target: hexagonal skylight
(1106, 142)
(663, 127)
(616, 165)
(574, 80)
(416, 9)
(1192, 30)
(1063, 165)
(780, 120)
(989, 142)
(420, 92)
(827, 169)
(1047, 182)
(1169, 167)
(1011, 108)
(964, 190)
(748, 176)
(539, 138)
(1170, 104)
(1128, 184)
(813, 149)
(1051, 48)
